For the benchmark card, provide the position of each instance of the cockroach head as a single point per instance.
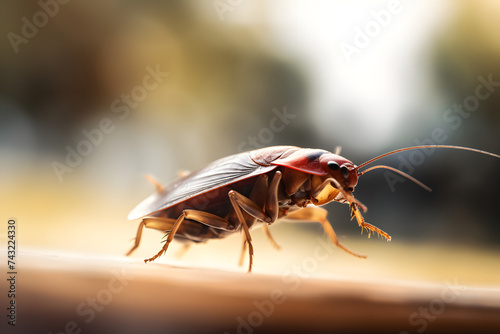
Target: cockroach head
(341, 169)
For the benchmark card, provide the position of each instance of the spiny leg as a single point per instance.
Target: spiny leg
(269, 214)
(364, 225)
(272, 206)
(354, 204)
(170, 237)
(157, 223)
(246, 231)
(320, 215)
(199, 216)
(243, 250)
(258, 195)
(348, 196)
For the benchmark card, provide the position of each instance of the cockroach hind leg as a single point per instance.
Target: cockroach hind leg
(158, 186)
(243, 251)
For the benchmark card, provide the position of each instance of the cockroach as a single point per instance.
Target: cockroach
(257, 188)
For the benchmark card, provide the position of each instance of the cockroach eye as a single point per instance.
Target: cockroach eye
(333, 165)
(344, 171)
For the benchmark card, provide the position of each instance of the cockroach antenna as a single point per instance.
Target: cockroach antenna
(415, 148)
(409, 177)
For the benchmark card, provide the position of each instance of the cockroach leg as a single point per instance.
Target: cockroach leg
(272, 206)
(348, 196)
(364, 225)
(270, 237)
(259, 191)
(243, 250)
(210, 220)
(137, 238)
(311, 214)
(199, 216)
(236, 200)
(170, 237)
(258, 197)
(159, 223)
(270, 215)
(294, 180)
(334, 183)
(249, 206)
(162, 224)
(158, 186)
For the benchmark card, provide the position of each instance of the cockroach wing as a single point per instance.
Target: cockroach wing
(219, 173)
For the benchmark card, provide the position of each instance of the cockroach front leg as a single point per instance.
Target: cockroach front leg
(364, 225)
(243, 250)
(334, 183)
(354, 205)
(312, 214)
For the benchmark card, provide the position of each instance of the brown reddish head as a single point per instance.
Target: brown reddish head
(322, 163)
(333, 176)
(341, 169)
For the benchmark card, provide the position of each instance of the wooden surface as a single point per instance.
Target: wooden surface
(82, 294)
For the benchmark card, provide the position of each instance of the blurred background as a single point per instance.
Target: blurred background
(166, 86)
